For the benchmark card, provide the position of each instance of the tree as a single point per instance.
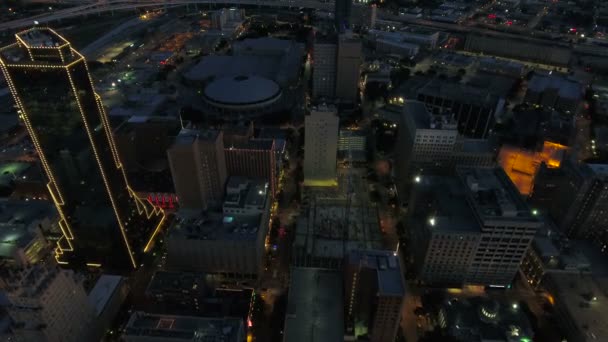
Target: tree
(437, 336)
(375, 90)
(399, 75)
(274, 229)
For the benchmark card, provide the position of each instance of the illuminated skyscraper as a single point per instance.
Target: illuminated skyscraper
(102, 221)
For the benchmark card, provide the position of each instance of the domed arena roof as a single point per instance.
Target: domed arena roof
(242, 91)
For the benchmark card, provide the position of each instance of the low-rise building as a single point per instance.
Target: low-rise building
(146, 327)
(483, 319)
(23, 226)
(551, 252)
(554, 92)
(231, 242)
(188, 293)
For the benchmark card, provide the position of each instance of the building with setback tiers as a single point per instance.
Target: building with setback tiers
(102, 220)
(472, 228)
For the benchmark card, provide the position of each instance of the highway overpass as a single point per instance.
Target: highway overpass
(104, 6)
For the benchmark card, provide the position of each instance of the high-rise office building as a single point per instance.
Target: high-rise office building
(472, 228)
(46, 303)
(324, 67)
(343, 11)
(320, 146)
(474, 109)
(575, 196)
(424, 141)
(374, 294)
(431, 144)
(254, 158)
(348, 63)
(198, 167)
(102, 220)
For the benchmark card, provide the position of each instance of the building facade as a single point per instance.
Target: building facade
(431, 144)
(324, 68)
(348, 63)
(102, 220)
(198, 168)
(581, 213)
(46, 303)
(473, 228)
(321, 146)
(254, 158)
(473, 109)
(374, 294)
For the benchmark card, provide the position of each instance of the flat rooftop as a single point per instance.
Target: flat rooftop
(477, 146)
(175, 281)
(187, 328)
(244, 192)
(315, 310)
(16, 218)
(189, 136)
(386, 264)
(253, 144)
(566, 88)
(493, 195)
(461, 92)
(216, 226)
(40, 37)
(103, 291)
(423, 118)
(585, 301)
(447, 199)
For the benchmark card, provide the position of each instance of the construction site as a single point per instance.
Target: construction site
(336, 221)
